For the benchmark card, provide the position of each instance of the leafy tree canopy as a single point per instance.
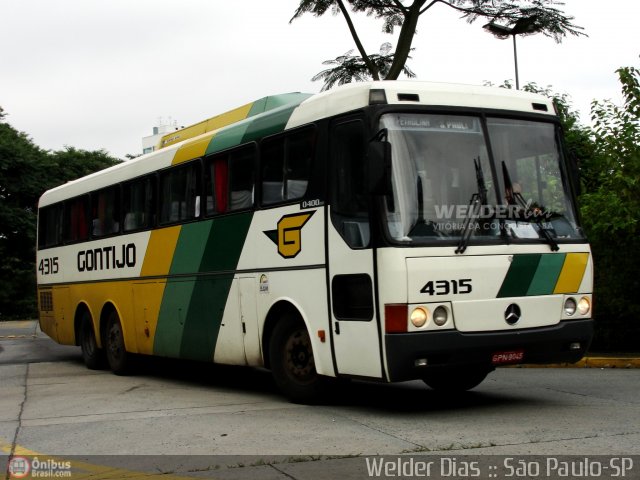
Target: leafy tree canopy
(516, 16)
(26, 171)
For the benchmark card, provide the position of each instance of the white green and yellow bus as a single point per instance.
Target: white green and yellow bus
(385, 231)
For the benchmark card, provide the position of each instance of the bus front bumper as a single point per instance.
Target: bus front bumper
(410, 355)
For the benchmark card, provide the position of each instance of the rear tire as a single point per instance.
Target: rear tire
(459, 379)
(292, 363)
(93, 356)
(117, 356)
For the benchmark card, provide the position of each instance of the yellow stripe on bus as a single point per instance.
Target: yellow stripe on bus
(162, 245)
(229, 117)
(208, 125)
(198, 148)
(191, 150)
(572, 273)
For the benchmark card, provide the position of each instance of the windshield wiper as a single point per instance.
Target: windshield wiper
(478, 199)
(514, 197)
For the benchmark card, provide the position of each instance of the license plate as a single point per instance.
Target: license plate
(505, 358)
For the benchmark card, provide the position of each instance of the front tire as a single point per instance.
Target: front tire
(117, 356)
(459, 379)
(93, 356)
(292, 363)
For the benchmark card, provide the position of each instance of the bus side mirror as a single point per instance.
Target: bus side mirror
(379, 155)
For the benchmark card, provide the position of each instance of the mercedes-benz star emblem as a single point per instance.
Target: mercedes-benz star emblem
(512, 314)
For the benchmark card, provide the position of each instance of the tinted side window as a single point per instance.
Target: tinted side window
(50, 226)
(76, 219)
(242, 166)
(138, 204)
(349, 207)
(105, 212)
(286, 164)
(272, 165)
(299, 153)
(216, 171)
(180, 193)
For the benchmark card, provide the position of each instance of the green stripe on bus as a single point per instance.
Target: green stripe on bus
(225, 242)
(206, 308)
(224, 245)
(546, 276)
(519, 276)
(192, 307)
(273, 122)
(190, 248)
(227, 138)
(258, 107)
(172, 316)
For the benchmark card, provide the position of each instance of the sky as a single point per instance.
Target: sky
(100, 74)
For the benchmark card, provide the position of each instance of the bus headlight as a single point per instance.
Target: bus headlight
(584, 306)
(440, 316)
(569, 306)
(419, 317)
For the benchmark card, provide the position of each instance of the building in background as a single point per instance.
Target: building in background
(150, 143)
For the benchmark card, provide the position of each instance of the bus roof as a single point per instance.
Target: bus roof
(232, 116)
(274, 114)
(356, 95)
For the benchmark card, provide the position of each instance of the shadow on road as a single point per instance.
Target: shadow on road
(405, 397)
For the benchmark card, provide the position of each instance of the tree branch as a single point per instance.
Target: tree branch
(448, 4)
(400, 5)
(354, 34)
(403, 48)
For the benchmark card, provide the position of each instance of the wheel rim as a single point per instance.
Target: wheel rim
(299, 364)
(115, 341)
(88, 342)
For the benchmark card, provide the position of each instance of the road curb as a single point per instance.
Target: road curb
(593, 362)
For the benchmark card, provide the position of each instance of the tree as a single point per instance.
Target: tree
(348, 68)
(610, 209)
(533, 16)
(26, 171)
(19, 180)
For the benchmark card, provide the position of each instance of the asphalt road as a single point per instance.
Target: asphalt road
(184, 419)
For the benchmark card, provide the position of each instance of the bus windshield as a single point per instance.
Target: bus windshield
(445, 181)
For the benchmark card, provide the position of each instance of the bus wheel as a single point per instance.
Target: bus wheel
(117, 355)
(456, 379)
(93, 356)
(292, 363)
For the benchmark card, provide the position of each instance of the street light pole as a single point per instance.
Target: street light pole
(515, 61)
(524, 26)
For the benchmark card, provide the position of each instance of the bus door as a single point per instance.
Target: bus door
(248, 287)
(355, 332)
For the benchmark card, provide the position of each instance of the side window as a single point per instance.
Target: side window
(272, 166)
(180, 193)
(105, 212)
(286, 164)
(242, 166)
(138, 204)
(216, 171)
(299, 154)
(349, 204)
(50, 226)
(76, 219)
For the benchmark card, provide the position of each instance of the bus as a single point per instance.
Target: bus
(384, 231)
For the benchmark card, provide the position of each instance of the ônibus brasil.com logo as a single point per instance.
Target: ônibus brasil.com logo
(21, 467)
